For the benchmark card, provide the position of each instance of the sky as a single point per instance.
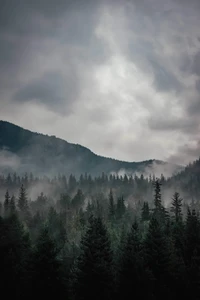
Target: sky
(119, 77)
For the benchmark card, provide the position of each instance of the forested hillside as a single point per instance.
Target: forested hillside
(22, 150)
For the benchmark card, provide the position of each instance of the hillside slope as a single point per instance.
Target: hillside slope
(22, 150)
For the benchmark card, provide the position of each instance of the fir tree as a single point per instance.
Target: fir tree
(22, 200)
(7, 204)
(176, 207)
(157, 195)
(111, 206)
(192, 253)
(145, 212)
(121, 208)
(78, 199)
(15, 253)
(133, 277)
(159, 212)
(94, 267)
(12, 205)
(157, 257)
(46, 268)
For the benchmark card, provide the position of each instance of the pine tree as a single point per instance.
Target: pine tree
(46, 268)
(78, 200)
(22, 200)
(94, 267)
(14, 253)
(56, 228)
(12, 205)
(192, 235)
(111, 206)
(7, 204)
(145, 212)
(192, 253)
(121, 208)
(157, 195)
(176, 206)
(159, 212)
(157, 257)
(133, 277)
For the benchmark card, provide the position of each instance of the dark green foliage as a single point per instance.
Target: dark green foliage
(15, 253)
(111, 206)
(7, 204)
(46, 268)
(157, 257)
(56, 228)
(159, 211)
(22, 200)
(94, 257)
(134, 278)
(145, 212)
(12, 205)
(94, 266)
(192, 253)
(78, 199)
(177, 206)
(17, 139)
(121, 208)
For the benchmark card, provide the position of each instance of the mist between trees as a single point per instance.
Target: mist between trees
(100, 238)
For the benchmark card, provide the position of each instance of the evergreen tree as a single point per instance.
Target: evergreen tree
(176, 206)
(121, 208)
(192, 235)
(72, 183)
(192, 253)
(94, 267)
(22, 200)
(145, 212)
(159, 212)
(157, 196)
(111, 206)
(56, 228)
(78, 200)
(14, 253)
(46, 268)
(133, 277)
(157, 257)
(12, 205)
(7, 204)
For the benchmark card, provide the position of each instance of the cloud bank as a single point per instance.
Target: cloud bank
(119, 77)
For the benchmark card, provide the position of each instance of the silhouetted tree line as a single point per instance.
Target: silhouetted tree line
(98, 248)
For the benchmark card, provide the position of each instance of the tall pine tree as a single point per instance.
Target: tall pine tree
(94, 267)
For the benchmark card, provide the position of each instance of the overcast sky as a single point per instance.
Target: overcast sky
(119, 77)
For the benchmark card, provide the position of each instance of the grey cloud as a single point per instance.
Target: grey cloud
(50, 55)
(197, 85)
(26, 29)
(48, 90)
(186, 153)
(166, 123)
(163, 79)
(193, 107)
(196, 64)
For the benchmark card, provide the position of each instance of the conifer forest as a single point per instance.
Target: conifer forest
(105, 237)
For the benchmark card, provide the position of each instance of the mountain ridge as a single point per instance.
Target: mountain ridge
(48, 153)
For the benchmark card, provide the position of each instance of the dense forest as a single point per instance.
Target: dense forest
(100, 238)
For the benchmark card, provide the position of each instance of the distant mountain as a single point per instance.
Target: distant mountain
(24, 151)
